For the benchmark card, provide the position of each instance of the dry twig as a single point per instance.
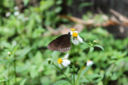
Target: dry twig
(117, 19)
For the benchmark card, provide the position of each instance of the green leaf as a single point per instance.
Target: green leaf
(91, 49)
(114, 76)
(99, 46)
(58, 9)
(46, 4)
(85, 5)
(26, 2)
(62, 82)
(58, 2)
(23, 82)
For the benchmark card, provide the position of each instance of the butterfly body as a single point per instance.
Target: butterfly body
(62, 43)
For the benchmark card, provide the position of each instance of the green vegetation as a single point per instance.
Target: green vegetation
(24, 55)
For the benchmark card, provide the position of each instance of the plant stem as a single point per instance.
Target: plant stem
(73, 79)
(14, 69)
(63, 73)
(14, 61)
(73, 75)
(82, 71)
(78, 77)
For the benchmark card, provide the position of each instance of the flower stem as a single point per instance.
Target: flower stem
(63, 73)
(73, 75)
(82, 71)
(14, 62)
(14, 65)
(73, 78)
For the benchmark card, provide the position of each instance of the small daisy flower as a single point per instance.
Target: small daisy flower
(16, 13)
(89, 63)
(76, 39)
(9, 53)
(8, 14)
(16, 8)
(64, 62)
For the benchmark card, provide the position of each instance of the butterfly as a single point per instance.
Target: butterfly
(62, 43)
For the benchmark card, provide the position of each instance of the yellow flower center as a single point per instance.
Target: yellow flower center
(60, 61)
(74, 34)
(72, 29)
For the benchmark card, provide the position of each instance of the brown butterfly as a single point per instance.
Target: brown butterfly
(62, 43)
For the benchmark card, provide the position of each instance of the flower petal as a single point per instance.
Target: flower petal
(75, 41)
(80, 39)
(66, 56)
(65, 62)
(75, 31)
(89, 63)
(71, 32)
(60, 65)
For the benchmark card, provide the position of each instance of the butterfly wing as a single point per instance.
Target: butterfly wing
(62, 43)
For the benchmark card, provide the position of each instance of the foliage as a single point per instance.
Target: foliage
(24, 55)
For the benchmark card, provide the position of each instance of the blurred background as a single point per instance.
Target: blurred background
(27, 26)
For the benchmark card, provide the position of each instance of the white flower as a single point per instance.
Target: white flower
(16, 8)
(8, 14)
(26, 18)
(16, 13)
(80, 39)
(14, 43)
(9, 53)
(22, 17)
(64, 62)
(89, 63)
(76, 39)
